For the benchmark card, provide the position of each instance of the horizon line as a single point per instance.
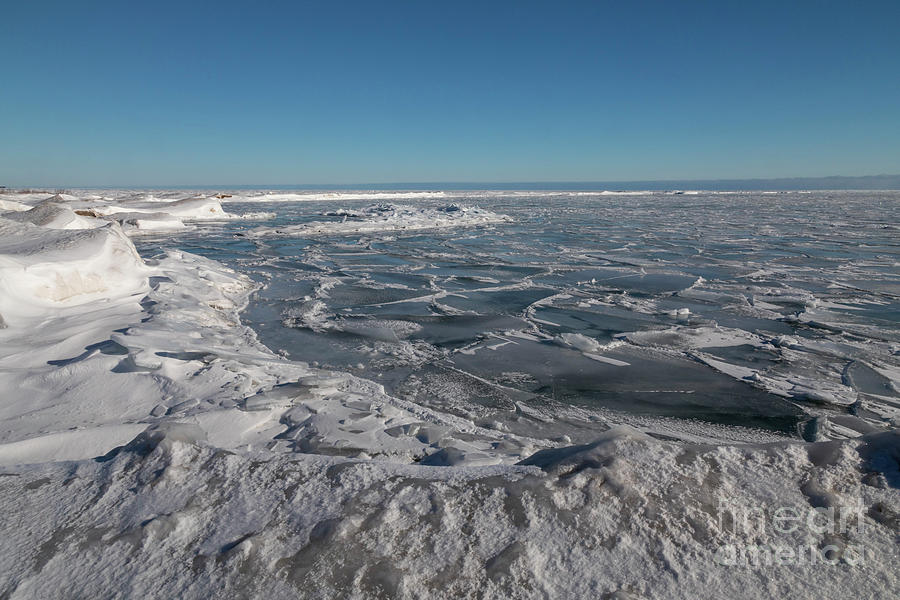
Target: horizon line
(600, 185)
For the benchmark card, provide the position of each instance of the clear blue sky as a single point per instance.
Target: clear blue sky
(160, 93)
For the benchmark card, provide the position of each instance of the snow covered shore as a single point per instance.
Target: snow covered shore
(170, 515)
(105, 341)
(151, 446)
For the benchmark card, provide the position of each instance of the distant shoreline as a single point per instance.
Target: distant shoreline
(832, 183)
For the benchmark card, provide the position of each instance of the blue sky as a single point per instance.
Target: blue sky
(160, 93)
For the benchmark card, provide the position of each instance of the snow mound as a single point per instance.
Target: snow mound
(42, 268)
(189, 208)
(139, 222)
(55, 216)
(12, 206)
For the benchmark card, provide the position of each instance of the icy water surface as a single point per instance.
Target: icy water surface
(770, 311)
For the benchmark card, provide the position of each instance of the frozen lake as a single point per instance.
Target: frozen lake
(525, 394)
(776, 312)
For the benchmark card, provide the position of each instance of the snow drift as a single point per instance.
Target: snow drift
(43, 268)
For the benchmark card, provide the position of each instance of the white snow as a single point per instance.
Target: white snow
(12, 206)
(55, 216)
(137, 213)
(43, 269)
(189, 208)
(626, 516)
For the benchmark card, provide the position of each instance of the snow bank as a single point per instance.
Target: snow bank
(142, 213)
(12, 206)
(42, 269)
(625, 517)
(189, 208)
(55, 216)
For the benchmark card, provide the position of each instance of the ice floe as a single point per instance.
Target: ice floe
(389, 217)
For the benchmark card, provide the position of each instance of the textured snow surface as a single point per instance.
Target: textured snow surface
(152, 446)
(168, 515)
(43, 268)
